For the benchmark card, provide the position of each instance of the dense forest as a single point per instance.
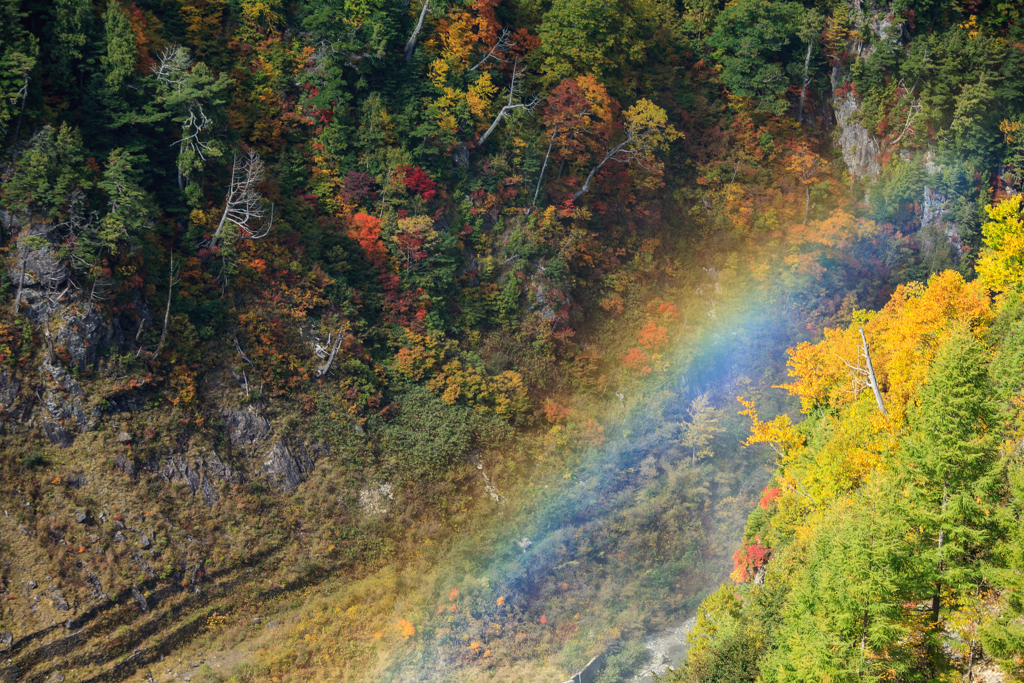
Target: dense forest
(378, 340)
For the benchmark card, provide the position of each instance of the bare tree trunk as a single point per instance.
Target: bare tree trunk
(21, 283)
(807, 204)
(411, 45)
(21, 114)
(586, 185)
(167, 311)
(544, 167)
(937, 598)
(325, 368)
(872, 380)
(803, 90)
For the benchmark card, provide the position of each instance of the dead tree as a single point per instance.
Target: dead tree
(246, 214)
(326, 366)
(172, 279)
(872, 380)
(509, 108)
(544, 167)
(21, 279)
(501, 45)
(411, 45)
(806, 82)
(865, 376)
(635, 148)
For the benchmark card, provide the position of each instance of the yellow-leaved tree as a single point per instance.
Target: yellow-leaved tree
(1001, 264)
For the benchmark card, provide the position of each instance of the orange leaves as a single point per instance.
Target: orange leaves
(406, 628)
(419, 357)
(579, 114)
(636, 362)
(805, 164)
(460, 36)
(653, 336)
(366, 230)
(555, 413)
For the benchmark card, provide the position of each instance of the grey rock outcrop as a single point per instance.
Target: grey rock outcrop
(9, 388)
(201, 471)
(246, 427)
(82, 336)
(63, 399)
(57, 435)
(288, 464)
(860, 148)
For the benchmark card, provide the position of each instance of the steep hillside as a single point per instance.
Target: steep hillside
(391, 341)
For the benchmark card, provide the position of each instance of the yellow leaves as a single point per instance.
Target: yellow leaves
(779, 433)
(1001, 264)
(479, 95)
(649, 122)
(501, 601)
(503, 394)
(903, 338)
(438, 73)
(418, 357)
(420, 228)
(1010, 129)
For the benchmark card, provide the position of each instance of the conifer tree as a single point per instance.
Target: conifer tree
(948, 469)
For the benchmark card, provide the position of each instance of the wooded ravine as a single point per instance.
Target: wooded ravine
(470, 340)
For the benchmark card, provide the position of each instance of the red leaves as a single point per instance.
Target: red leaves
(417, 181)
(767, 496)
(356, 187)
(748, 559)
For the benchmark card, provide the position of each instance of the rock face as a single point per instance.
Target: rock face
(376, 500)
(246, 427)
(82, 337)
(200, 470)
(860, 148)
(57, 435)
(288, 463)
(9, 388)
(63, 400)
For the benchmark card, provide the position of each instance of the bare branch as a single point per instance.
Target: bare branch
(872, 380)
(244, 208)
(513, 93)
(172, 279)
(502, 44)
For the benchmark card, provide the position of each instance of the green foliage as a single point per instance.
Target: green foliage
(746, 33)
(121, 55)
(48, 173)
(429, 436)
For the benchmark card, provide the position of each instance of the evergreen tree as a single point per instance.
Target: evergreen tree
(948, 469)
